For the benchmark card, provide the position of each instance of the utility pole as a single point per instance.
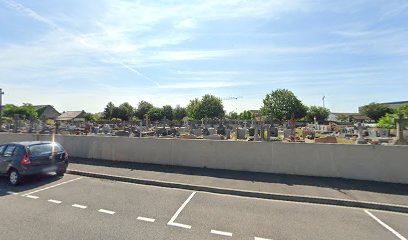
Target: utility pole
(1, 107)
(323, 98)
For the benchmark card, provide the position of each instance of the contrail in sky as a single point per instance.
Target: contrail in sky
(31, 13)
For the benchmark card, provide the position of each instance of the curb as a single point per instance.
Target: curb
(244, 193)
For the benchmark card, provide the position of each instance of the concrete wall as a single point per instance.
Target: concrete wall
(365, 162)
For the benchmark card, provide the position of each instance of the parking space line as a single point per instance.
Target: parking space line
(172, 223)
(31, 196)
(222, 233)
(56, 185)
(146, 219)
(106, 211)
(54, 201)
(79, 206)
(12, 193)
(385, 225)
(258, 238)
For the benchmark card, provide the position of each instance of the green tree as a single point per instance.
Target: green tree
(281, 104)
(168, 112)
(387, 121)
(245, 115)
(155, 114)
(125, 111)
(179, 113)
(375, 111)
(233, 115)
(209, 106)
(320, 113)
(193, 109)
(26, 111)
(108, 111)
(143, 108)
(89, 117)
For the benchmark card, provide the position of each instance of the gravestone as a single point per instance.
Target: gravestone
(274, 132)
(241, 133)
(372, 133)
(287, 133)
(211, 131)
(196, 132)
(360, 138)
(221, 130)
(384, 133)
(400, 122)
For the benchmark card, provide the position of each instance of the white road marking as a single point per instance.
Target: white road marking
(13, 193)
(385, 225)
(228, 234)
(146, 219)
(31, 196)
(172, 223)
(54, 201)
(258, 238)
(56, 185)
(106, 211)
(79, 206)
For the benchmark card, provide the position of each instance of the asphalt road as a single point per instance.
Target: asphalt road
(75, 207)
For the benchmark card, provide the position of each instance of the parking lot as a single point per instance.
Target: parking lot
(75, 207)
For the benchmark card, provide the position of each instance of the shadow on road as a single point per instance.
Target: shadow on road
(30, 182)
(338, 184)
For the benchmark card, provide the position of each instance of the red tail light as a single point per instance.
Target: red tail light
(65, 154)
(26, 160)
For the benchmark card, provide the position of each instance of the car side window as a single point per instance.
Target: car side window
(2, 147)
(9, 151)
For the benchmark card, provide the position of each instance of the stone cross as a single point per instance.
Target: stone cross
(140, 128)
(360, 139)
(400, 122)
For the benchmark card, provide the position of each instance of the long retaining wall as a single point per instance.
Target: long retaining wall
(363, 162)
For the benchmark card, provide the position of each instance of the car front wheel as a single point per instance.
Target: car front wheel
(14, 177)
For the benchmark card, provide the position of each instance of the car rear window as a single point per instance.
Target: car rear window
(41, 149)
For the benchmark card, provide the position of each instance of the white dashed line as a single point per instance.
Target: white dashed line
(228, 234)
(146, 219)
(172, 223)
(79, 206)
(56, 185)
(54, 201)
(385, 225)
(32, 197)
(106, 211)
(12, 193)
(258, 238)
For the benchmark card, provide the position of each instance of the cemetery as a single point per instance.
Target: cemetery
(224, 130)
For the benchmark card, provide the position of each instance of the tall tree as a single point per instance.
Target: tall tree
(320, 113)
(168, 112)
(26, 111)
(155, 114)
(387, 121)
(108, 112)
(281, 104)
(209, 106)
(179, 113)
(125, 111)
(143, 108)
(375, 111)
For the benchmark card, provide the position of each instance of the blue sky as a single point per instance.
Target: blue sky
(82, 54)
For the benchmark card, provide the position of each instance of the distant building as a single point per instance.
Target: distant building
(351, 117)
(46, 112)
(72, 116)
(395, 105)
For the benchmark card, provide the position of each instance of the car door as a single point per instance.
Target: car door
(7, 157)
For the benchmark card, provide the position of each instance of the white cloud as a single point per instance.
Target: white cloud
(202, 85)
(186, 24)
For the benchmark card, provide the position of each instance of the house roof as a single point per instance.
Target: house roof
(70, 115)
